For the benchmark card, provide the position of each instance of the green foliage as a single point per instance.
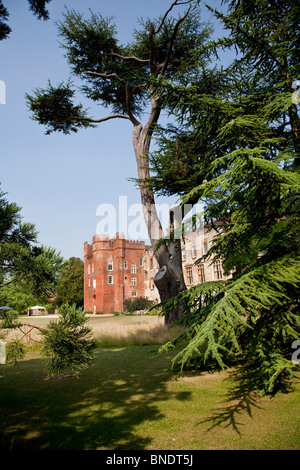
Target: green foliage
(70, 283)
(12, 230)
(20, 257)
(115, 75)
(47, 264)
(248, 181)
(68, 346)
(120, 76)
(28, 273)
(8, 319)
(37, 7)
(15, 351)
(54, 105)
(4, 28)
(18, 297)
(138, 303)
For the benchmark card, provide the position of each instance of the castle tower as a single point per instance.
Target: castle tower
(113, 272)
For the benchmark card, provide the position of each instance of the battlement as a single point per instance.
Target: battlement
(99, 241)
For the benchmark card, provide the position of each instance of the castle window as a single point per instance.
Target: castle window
(141, 262)
(125, 265)
(183, 255)
(110, 279)
(201, 273)
(94, 283)
(194, 251)
(110, 265)
(133, 269)
(218, 270)
(205, 248)
(151, 284)
(151, 263)
(133, 281)
(133, 293)
(189, 275)
(89, 282)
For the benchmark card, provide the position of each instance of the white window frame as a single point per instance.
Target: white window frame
(133, 269)
(189, 275)
(201, 272)
(110, 279)
(134, 293)
(218, 270)
(133, 281)
(194, 251)
(110, 265)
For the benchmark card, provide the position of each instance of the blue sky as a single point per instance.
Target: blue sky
(58, 180)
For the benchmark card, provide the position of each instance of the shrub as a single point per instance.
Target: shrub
(138, 303)
(67, 343)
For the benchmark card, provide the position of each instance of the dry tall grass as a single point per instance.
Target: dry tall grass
(111, 334)
(109, 331)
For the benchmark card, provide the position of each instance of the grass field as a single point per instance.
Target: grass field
(129, 398)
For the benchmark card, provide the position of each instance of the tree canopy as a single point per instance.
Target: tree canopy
(121, 78)
(21, 258)
(248, 181)
(69, 287)
(29, 272)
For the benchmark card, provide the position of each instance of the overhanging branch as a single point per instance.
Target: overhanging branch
(103, 75)
(168, 11)
(129, 58)
(97, 121)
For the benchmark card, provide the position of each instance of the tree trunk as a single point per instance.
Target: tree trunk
(169, 280)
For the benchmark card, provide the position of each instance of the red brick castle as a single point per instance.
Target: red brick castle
(118, 269)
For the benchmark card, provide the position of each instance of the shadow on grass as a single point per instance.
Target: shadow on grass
(103, 409)
(227, 416)
(242, 398)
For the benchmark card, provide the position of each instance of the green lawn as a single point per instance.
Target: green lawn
(130, 399)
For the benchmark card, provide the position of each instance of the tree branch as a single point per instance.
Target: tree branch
(33, 326)
(96, 121)
(165, 64)
(134, 58)
(104, 75)
(132, 118)
(168, 11)
(13, 280)
(153, 67)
